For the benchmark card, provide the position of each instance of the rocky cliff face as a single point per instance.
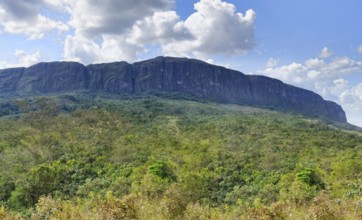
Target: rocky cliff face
(167, 74)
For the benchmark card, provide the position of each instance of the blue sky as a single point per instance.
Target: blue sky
(311, 44)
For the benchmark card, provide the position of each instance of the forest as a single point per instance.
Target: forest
(151, 157)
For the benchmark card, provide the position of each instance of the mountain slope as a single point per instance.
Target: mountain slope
(167, 74)
(156, 158)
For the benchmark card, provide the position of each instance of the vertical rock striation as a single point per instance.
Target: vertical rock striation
(168, 74)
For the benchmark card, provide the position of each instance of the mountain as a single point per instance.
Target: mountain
(165, 75)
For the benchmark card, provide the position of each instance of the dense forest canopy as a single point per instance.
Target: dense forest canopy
(73, 157)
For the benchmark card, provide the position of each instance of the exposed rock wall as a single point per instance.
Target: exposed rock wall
(167, 74)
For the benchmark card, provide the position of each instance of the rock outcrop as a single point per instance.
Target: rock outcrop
(167, 74)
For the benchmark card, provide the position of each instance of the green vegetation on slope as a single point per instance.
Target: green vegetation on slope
(153, 158)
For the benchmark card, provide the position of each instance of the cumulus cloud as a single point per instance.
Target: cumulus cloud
(325, 53)
(82, 49)
(35, 30)
(325, 77)
(215, 28)
(109, 30)
(162, 27)
(24, 17)
(22, 60)
(304, 74)
(351, 100)
(26, 59)
(91, 18)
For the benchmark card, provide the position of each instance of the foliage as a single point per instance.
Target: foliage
(155, 158)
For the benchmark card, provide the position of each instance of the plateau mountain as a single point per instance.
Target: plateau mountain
(167, 75)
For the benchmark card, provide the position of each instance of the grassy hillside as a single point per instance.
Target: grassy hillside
(154, 158)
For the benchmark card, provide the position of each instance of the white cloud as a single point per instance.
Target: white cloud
(351, 100)
(112, 30)
(81, 49)
(23, 17)
(325, 78)
(339, 87)
(78, 48)
(35, 30)
(292, 73)
(215, 28)
(325, 53)
(27, 59)
(162, 27)
(359, 49)
(92, 18)
(23, 60)
(305, 74)
(109, 30)
(314, 63)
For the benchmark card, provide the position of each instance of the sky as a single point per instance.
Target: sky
(313, 44)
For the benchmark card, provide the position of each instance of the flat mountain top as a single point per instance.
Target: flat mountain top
(167, 75)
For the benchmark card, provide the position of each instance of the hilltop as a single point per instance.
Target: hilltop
(167, 75)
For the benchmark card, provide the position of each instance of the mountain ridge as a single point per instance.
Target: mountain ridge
(168, 74)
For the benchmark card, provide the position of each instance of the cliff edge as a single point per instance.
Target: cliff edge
(168, 74)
